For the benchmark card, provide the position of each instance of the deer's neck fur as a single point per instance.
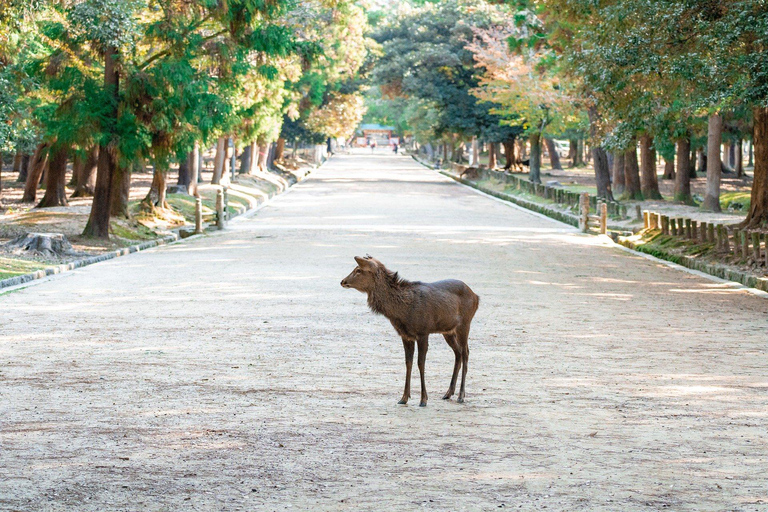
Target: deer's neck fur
(391, 296)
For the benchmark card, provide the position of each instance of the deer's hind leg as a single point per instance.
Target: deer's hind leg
(453, 342)
(409, 346)
(462, 333)
(423, 346)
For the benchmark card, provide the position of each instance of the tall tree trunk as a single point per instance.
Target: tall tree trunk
(245, 160)
(683, 176)
(649, 182)
(56, 178)
(714, 169)
(156, 196)
(280, 149)
(219, 160)
(701, 162)
(573, 151)
(602, 173)
(751, 162)
(632, 189)
(554, 158)
(727, 164)
(78, 164)
(618, 173)
(692, 164)
(509, 153)
(475, 152)
(534, 163)
(39, 161)
(193, 163)
(491, 155)
(120, 190)
(758, 209)
(669, 168)
(86, 174)
(600, 159)
(732, 156)
(183, 180)
(739, 158)
(24, 170)
(98, 221)
(16, 162)
(254, 162)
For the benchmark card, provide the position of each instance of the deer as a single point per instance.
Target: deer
(416, 310)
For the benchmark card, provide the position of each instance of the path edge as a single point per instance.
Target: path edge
(751, 283)
(18, 281)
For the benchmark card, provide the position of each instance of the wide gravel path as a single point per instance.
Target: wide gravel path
(232, 372)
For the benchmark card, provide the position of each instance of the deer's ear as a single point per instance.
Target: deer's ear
(364, 263)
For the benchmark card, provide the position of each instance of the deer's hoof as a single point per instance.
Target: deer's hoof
(460, 400)
(447, 396)
(402, 401)
(423, 404)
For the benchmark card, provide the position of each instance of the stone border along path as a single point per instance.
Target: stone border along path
(13, 282)
(719, 273)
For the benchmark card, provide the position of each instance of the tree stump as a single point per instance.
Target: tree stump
(40, 244)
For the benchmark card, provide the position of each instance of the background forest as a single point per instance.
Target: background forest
(102, 88)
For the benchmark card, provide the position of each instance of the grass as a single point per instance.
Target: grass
(740, 201)
(10, 267)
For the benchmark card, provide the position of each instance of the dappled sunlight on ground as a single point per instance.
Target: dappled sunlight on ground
(233, 369)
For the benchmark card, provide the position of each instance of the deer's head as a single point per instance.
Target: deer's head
(362, 278)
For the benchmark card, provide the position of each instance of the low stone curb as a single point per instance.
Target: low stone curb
(713, 269)
(748, 280)
(65, 267)
(559, 215)
(58, 269)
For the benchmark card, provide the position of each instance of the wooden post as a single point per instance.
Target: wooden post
(726, 240)
(226, 204)
(664, 225)
(755, 247)
(584, 217)
(703, 232)
(220, 209)
(744, 244)
(653, 219)
(766, 251)
(711, 233)
(638, 214)
(721, 239)
(673, 226)
(603, 218)
(198, 215)
(688, 232)
(646, 219)
(736, 243)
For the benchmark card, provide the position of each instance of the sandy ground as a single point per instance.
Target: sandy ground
(233, 372)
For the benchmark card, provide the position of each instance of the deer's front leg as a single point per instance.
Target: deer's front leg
(409, 346)
(423, 346)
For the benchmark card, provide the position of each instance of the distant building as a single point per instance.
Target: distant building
(383, 135)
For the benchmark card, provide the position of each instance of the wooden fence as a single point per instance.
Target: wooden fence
(742, 245)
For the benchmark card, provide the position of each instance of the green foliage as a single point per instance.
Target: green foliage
(425, 62)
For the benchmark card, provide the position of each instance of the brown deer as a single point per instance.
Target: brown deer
(417, 310)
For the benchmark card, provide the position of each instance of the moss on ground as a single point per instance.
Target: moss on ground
(11, 267)
(738, 201)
